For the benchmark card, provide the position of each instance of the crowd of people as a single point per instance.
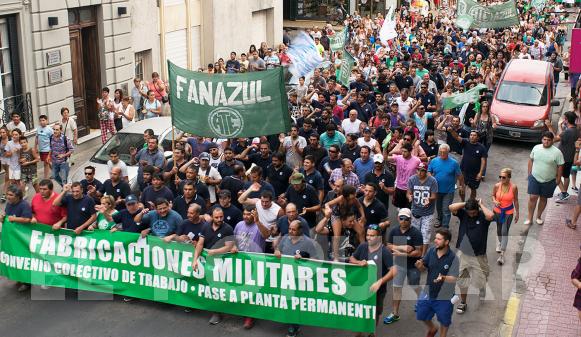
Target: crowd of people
(328, 182)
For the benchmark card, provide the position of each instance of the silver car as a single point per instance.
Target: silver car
(122, 141)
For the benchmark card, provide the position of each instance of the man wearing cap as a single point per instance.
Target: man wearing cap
(232, 214)
(405, 243)
(363, 164)
(209, 175)
(189, 197)
(125, 218)
(278, 173)
(156, 190)
(422, 193)
(304, 196)
(151, 155)
(382, 178)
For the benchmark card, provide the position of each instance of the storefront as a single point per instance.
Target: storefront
(311, 9)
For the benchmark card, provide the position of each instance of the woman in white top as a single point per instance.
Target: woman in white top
(127, 112)
(151, 106)
(4, 139)
(117, 106)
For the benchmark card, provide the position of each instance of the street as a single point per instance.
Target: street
(89, 314)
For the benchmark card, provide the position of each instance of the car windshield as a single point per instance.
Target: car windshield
(522, 93)
(120, 142)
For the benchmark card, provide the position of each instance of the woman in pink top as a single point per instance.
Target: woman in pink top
(157, 86)
(505, 199)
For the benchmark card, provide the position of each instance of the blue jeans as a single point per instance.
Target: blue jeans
(60, 172)
(443, 202)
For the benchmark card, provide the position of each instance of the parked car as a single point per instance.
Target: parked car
(523, 100)
(122, 141)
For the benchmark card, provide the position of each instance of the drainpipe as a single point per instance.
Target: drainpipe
(189, 32)
(162, 39)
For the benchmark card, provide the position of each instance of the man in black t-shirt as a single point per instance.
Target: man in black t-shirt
(473, 161)
(191, 228)
(472, 240)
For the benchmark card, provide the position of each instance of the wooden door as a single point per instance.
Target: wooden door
(91, 69)
(79, 96)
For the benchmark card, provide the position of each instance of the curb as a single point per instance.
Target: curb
(510, 315)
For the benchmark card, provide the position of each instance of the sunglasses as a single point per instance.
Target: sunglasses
(332, 151)
(407, 139)
(89, 173)
(502, 177)
(404, 218)
(374, 227)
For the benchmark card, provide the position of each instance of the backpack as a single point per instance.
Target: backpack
(65, 140)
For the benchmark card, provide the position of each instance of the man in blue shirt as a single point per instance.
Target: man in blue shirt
(443, 268)
(162, 222)
(151, 155)
(446, 170)
(17, 210)
(363, 164)
(80, 208)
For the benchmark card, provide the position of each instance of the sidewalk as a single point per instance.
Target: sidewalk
(546, 301)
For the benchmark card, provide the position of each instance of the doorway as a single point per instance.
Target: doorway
(84, 37)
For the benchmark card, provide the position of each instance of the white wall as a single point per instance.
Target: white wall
(145, 29)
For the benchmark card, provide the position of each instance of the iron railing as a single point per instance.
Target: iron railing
(21, 104)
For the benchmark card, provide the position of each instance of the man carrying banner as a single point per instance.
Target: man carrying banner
(217, 238)
(80, 208)
(301, 247)
(372, 250)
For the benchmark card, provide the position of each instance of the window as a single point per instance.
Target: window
(6, 76)
(143, 64)
(522, 93)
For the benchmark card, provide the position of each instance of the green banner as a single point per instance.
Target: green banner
(286, 290)
(457, 100)
(347, 63)
(491, 16)
(337, 41)
(228, 105)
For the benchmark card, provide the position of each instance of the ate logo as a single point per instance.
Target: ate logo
(226, 122)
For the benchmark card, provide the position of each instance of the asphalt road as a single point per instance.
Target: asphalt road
(55, 312)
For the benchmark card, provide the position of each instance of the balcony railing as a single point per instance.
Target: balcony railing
(21, 104)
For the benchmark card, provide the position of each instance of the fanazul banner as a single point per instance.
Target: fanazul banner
(469, 96)
(262, 286)
(488, 16)
(347, 64)
(337, 41)
(228, 105)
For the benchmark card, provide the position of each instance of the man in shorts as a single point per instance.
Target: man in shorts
(422, 193)
(545, 169)
(405, 243)
(443, 267)
(43, 134)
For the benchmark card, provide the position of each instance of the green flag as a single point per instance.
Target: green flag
(337, 41)
(347, 63)
(460, 99)
(228, 105)
(287, 290)
(491, 16)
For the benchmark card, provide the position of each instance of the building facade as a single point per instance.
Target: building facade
(60, 53)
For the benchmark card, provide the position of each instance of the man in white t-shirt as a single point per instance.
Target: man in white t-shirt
(404, 102)
(209, 175)
(115, 161)
(293, 146)
(16, 123)
(351, 125)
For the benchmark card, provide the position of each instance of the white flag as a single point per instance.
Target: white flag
(304, 55)
(387, 31)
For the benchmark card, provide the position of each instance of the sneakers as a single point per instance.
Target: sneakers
(292, 331)
(391, 318)
(44, 287)
(127, 299)
(23, 287)
(462, 307)
(498, 247)
(500, 260)
(3, 198)
(215, 319)
(563, 196)
(248, 323)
